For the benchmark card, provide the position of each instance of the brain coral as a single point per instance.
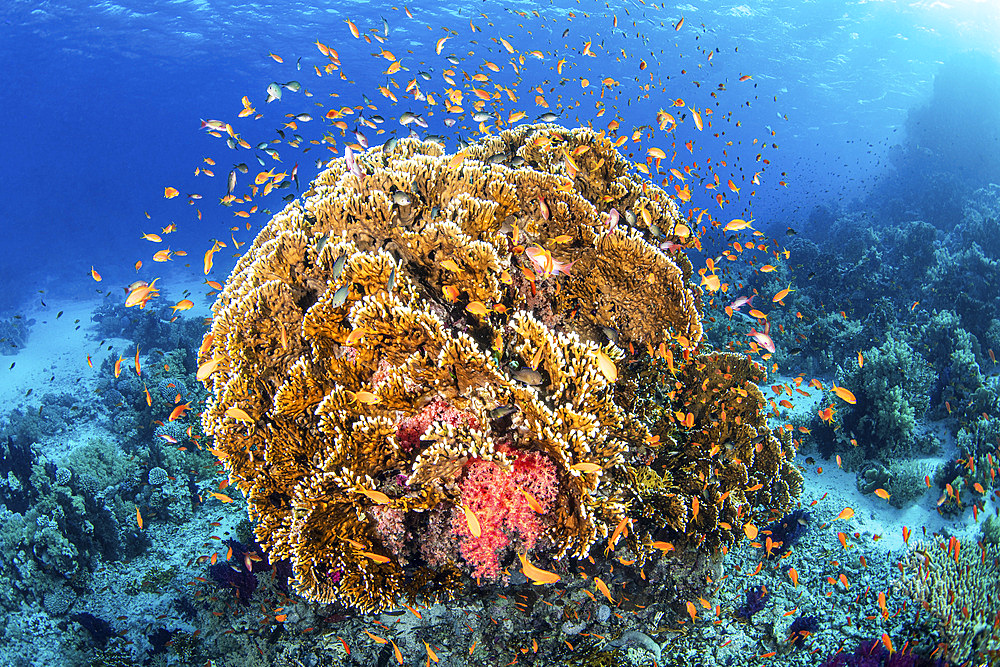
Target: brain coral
(419, 316)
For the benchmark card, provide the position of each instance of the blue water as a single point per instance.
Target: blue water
(102, 101)
(102, 104)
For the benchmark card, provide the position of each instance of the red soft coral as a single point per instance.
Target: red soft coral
(494, 496)
(409, 430)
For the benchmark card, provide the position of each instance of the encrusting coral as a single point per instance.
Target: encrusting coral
(422, 329)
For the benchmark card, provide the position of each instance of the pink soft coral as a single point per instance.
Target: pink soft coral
(409, 430)
(494, 495)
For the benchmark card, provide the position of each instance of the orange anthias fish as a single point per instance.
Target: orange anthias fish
(846, 513)
(844, 394)
(537, 575)
(472, 522)
(178, 411)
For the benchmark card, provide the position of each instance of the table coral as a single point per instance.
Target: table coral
(402, 343)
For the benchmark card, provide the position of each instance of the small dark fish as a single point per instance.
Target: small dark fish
(293, 86)
(453, 60)
(528, 376)
(400, 198)
(790, 232)
(502, 411)
(12, 366)
(392, 279)
(231, 183)
(565, 32)
(59, 314)
(611, 334)
(243, 168)
(28, 393)
(389, 145)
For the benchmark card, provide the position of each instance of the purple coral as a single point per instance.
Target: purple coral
(756, 598)
(235, 573)
(801, 629)
(786, 531)
(873, 653)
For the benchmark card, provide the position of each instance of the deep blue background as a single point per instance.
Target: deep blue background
(101, 102)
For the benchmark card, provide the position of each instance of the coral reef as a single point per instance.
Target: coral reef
(14, 334)
(956, 583)
(892, 390)
(873, 653)
(423, 330)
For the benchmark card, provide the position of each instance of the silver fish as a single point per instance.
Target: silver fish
(340, 296)
(338, 266)
(303, 117)
(293, 86)
(322, 242)
(273, 92)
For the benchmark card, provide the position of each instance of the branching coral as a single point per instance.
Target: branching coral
(404, 342)
(957, 584)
